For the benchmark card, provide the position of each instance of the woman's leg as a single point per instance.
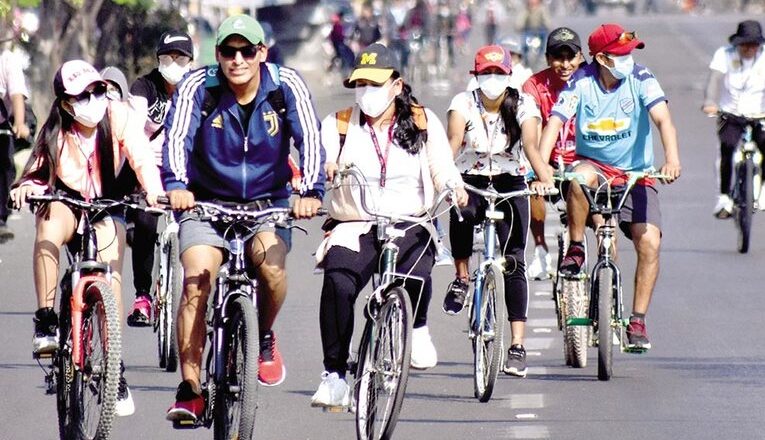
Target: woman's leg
(110, 236)
(52, 232)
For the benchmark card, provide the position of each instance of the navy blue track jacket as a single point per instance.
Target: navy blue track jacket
(217, 157)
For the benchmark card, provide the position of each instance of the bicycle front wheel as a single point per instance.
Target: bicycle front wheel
(745, 202)
(488, 343)
(605, 327)
(383, 367)
(94, 386)
(575, 305)
(168, 298)
(237, 395)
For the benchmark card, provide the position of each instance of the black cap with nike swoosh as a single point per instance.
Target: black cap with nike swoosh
(175, 41)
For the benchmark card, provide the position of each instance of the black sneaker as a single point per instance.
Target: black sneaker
(45, 339)
(573, 260)
(515, 364)
(454, 301)
(637, 337)
(5, 232)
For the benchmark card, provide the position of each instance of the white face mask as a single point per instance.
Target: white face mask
(173, 72)
(90, 113)
(373, 101)
(493, 85)
(623, 66)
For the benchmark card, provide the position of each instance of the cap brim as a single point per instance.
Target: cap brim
(736, 40)
(624, 49)
(81, 86)
(556, 48)
(486, 66)
(377, 76)
(166, 51)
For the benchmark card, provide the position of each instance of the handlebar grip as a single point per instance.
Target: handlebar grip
(163, 200)
(322, 211)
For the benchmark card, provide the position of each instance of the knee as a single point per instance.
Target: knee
(273, 275)
(648, 243)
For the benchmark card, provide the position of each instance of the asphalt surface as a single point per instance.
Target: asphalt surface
(703, 379)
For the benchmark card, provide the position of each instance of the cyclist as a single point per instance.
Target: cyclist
(740, 68)
(385, 126)
(152, 95)
(236, 151)
(564, 55)
(521, 73)
(116, 84)
(534, 22)
(79, 150)
(367, 28)
(489, 130)
(613, 99)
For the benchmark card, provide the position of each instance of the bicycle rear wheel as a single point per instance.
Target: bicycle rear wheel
(94, 386)
(236, 397)
(605, 327)
(168, 298)
(383, 367)
(745, 202)
(488, 343)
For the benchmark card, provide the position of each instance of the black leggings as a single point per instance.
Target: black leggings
(144, 238)
(7, 171)
(347, 272)
(730, 131)
(511, 231)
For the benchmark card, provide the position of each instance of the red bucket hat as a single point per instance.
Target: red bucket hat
(611, 38)
(492, 56)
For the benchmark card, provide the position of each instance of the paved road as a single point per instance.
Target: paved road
(704, 378)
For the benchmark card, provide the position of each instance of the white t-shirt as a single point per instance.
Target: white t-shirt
(744, 80)
(11, 80)
(484, 148)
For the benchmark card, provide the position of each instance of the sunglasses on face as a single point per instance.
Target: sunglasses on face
(98, 91)
(167, 59)
(229, 52)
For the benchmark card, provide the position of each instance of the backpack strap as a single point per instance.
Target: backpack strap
(213, 90)
(342, 117)
(276, 97)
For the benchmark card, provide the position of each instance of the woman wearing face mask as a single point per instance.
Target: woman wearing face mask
(152, 94)
(80, 149)
(384, 127)
(488, 128)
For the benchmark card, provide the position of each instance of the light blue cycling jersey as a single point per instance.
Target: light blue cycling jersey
(612, 127)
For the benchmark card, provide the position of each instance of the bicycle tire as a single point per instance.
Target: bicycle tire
(745, 204)
(93, 413)
(385, 369)
(171, 290)
(64, 370)
(488, 343)
(576, 337)
(605, 327)
(237, 395)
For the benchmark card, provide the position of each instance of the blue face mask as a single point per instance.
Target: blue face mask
(623, 66)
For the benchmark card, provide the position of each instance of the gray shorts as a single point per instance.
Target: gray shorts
(641, 206)
(195, 232)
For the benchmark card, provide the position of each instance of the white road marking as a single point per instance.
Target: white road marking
(542, 304)
(542, 330)
(542, 322)
(538, 343)
(527, 432)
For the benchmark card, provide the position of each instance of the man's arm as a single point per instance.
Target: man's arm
(663, 121)
(549, 137)
(712, 92)
(20, 128)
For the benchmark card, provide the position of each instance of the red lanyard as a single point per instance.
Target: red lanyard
(382, 158)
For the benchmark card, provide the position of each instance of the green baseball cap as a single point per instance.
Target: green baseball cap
(242, 25)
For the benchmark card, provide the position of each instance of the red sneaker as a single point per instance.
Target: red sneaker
(271, 371)
(141, 314)
(189, 406)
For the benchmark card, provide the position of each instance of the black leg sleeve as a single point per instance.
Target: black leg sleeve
(144, 238)
(729, 133)
(7, 173)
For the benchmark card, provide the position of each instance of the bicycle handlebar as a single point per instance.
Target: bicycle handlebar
(493, 194)
(92, 205)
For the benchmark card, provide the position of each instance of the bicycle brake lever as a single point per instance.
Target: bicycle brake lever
(299, 228)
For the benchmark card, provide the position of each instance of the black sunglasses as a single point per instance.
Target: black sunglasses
(98, 91)
(248, 52)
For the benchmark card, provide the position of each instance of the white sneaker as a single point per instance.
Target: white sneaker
(423, 351)
(724, 206)
(443, 255)
(333, 392)
(125, 405)
(539, 269)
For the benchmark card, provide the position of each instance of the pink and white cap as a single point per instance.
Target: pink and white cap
(74, 77)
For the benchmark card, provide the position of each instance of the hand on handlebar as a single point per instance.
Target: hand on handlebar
(461, 196)
(710, 110)
(306, 207)
(671, 170)
(19, 195)
(543, 187)
(180, 199)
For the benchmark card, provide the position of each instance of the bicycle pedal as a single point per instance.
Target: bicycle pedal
(44, 355)
(336, 409)
(187, 424)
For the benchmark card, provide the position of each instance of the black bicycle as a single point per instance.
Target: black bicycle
(230, 388)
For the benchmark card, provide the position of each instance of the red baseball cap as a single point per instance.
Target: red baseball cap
(611, 38)
(492, 56)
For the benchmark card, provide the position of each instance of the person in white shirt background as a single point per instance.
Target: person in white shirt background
(740, 69)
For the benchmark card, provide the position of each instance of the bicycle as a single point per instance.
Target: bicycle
(747, 179)
(85, 368)
(231, 374)
(168, 289)
(605, 302)
(381, 370)
(486, 301)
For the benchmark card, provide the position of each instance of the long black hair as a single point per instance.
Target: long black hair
(407, 135)
(508, 111)
(46, 150)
